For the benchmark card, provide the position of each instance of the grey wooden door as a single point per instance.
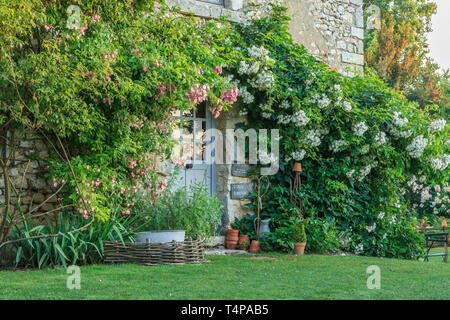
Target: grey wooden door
(191, 148)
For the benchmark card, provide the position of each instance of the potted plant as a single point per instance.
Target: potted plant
(244, 241)
(254, 246)
(299, 237)
(187, 211)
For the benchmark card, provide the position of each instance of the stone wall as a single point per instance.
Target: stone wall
(27, 168)
(331, 30)
(224, 179)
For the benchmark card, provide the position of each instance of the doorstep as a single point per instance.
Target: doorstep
(224, 252)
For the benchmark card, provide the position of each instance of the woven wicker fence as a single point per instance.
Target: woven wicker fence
(151, 254)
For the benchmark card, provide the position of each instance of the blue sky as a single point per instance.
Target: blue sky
(439, 39)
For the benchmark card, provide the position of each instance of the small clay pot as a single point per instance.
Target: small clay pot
(254, 247)
(232, 235)
(243, 242)
(299, 247)
(231, 245)
(297, 167)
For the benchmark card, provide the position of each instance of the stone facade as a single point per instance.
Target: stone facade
(224, 179)
(332, 30)
(28, 162)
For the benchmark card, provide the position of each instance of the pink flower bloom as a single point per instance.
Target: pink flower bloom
(230, 96)
(95, 18)
(198, 94)
(437, 188)
(218, 69)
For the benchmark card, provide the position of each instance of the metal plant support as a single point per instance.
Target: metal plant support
(259, 205)
(296, 200)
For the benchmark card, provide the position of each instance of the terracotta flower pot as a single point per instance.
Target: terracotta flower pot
(232, 239)
(299, 247)
(254, 247)
(232, 235)
(297, 167)
(243, 242)
(231, 245)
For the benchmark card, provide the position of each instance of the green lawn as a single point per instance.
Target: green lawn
(240, 277)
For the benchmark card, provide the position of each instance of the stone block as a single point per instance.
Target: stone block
(358, 32)
(353, 58)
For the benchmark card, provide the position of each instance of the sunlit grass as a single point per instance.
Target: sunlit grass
(243, 277)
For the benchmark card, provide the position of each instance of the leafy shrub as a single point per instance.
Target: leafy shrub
(299, 231)
(322, 236)
(189, 208)
(80, 247)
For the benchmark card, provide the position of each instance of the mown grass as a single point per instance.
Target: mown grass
(274, 276)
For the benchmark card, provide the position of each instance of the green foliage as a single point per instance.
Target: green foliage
(350, 175)
(57, 247)
(299, 231)
(189, 208)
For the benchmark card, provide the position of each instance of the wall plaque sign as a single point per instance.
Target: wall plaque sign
(241, 190)
(240, 169)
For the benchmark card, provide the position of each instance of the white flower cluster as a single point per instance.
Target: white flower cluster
(263, 80)
(266, 158)
(364, 172)
(243, 113)
(447, 143)
(417, 146)
(347, 106)
(371, 228)
(285, 104)
(399, 122)
(246, 96)
(437, 125)
(260, 53)
(282, 119)
(401, 134)
(261, 77)
(380, 138)
(337, 144)
(322, 101)
(413, 184)
(300, 118)
(261, 9)
(266, 115)
(266, 110)
(313, 137)
(350, 173)
(245, 68)
(359, 129)
(359, 248)
(298, 155)
(441, 162)
(381, 215)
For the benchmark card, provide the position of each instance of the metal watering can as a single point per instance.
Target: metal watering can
(263, 227)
